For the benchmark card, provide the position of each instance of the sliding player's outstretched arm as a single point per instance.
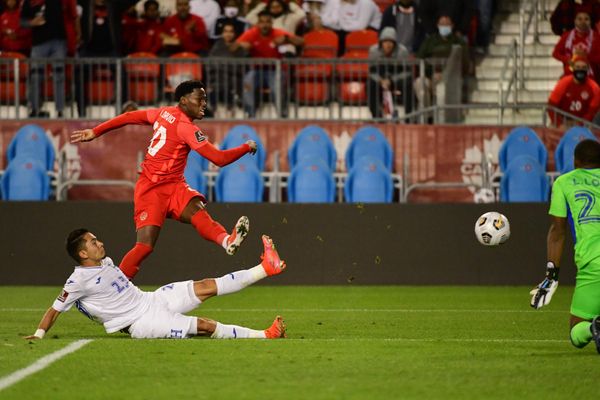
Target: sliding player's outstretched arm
(45, 324)
(130, 118)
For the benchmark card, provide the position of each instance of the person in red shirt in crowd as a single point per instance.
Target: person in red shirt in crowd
(161, 191)
(184, 31)
(149, 29)
(264, 41)
(581, 41)
(576, 94)
(129, 30)
(12, 36)
(563, 15)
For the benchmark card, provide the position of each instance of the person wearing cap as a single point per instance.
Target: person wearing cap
(575, 94)
(389, 77)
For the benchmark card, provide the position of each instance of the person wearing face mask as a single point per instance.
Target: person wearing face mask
(286, 15)
(231, 15)
(403, 17)
(575, 94)
(581, 40)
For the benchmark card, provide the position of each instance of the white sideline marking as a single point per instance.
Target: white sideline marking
(340, 310)
(42, 363)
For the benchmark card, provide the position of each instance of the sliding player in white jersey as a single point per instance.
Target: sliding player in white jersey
(99, 289)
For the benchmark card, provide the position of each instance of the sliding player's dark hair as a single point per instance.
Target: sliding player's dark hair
(75, 242)
(187, 87)
(587, 152)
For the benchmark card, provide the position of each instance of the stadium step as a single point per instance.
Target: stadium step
(545, 85)
(491, 96)
(536, 62)
(547, 40)
(550, 73)
(541, 50)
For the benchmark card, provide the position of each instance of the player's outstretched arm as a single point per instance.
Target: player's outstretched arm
(45, 324)
(139, 117)
(85, 135)
(542, 293)
(222, 158)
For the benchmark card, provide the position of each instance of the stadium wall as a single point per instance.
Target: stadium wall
(322, 244)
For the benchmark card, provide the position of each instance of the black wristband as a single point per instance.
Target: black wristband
(552, 271)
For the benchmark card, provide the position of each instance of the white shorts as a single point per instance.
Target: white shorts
(164, 319)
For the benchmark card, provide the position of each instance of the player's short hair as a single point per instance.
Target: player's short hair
(587, 152)
(187, 87)
(265, 13)
(149, 3)
(75, 243)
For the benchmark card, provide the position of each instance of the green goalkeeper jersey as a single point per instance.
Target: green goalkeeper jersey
(576, 196)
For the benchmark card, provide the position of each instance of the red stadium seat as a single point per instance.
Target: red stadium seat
(312, 86)
(7, 77)
(176, 72)
(312, 92)
(142, 77)
(360, 41)
(352, 79)
(101, 87)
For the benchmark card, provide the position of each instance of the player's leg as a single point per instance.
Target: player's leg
(145, 241)
(217, 330)
(581, 332)
(585, 305)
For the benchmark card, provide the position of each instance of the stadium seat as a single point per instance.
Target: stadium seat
(369, 141)
(101, 87)
(240, 182)
(31, 141)
(312, 141)
(142, 77)
(7, 77)
(186, 67)
(369, 181)
(25, 179)
(194, 172)
(361, 41)
(312, 84)
(237, 136)
(524, 180)
(563, 155)
(352, 79)
(522, 141)
(311, 181)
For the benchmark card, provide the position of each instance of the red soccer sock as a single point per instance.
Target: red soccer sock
(130, 265)
(208, 228)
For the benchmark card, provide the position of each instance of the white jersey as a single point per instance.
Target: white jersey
(105, 295)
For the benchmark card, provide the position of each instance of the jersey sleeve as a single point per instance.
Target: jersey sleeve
(558, 202)
(199, 143)
(71, 292)
(140, 117)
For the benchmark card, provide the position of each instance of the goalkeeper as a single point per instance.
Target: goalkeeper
(576, 198)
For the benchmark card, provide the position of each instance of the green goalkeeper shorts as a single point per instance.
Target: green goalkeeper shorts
(586, 297)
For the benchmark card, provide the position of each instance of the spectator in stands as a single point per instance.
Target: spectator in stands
(13, 37)
(313, 21)
(344, 16)
(185, 31)
(111, 13)
(286, 15)
(408, 25)
(438, 45)
(208, 10)
(50, 23)
(231, 14)
(225, 81)
(129, 30)
(128, 106)
(148, 35)
(264, 41)
(563, 17)
(460, 11)
(165, 10)
(485, 8)
(575, 94)
(390, 78)
(581, 41)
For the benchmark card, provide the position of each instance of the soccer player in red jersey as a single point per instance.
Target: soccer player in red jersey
(161, 191)
(577, 94)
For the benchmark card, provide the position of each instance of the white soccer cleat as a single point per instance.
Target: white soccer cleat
(239, 233)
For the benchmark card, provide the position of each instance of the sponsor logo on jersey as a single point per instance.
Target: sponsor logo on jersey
(63, 296)
(585, 95)
(200, 136)
(167, 116)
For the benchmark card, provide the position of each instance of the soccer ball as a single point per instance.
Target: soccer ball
(492, 229)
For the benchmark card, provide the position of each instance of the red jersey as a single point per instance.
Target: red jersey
(129, 32)
(12, 36)
(148, 36)
(191, 32)
(262, 46)
(590, 41)
(174, 136)
(579, 99)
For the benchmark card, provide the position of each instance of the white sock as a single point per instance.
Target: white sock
(225, 239)
(238, 280)
(223, 331)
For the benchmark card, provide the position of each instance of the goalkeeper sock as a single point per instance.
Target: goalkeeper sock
(208, 228)
(581, 334)
(223, 331)
(130, 264)
(238, 280)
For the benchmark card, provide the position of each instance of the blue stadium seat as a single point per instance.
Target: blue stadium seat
(25, 179)
(369, 141)
(311, 181)
(522, 141)
(563, 156)
(194, 172)
(238, 135)
(524, 181)
(32, 141)
(312, 141)
(240, 182)
(369, 181)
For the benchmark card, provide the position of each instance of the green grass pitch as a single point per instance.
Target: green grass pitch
(389, 342)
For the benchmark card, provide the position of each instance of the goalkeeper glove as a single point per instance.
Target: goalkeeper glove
(542, 293)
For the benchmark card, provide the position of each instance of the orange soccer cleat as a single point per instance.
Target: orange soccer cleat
(271, 262)
(239, 233)
(276, 330)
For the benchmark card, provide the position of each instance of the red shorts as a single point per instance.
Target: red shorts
(153, 202)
